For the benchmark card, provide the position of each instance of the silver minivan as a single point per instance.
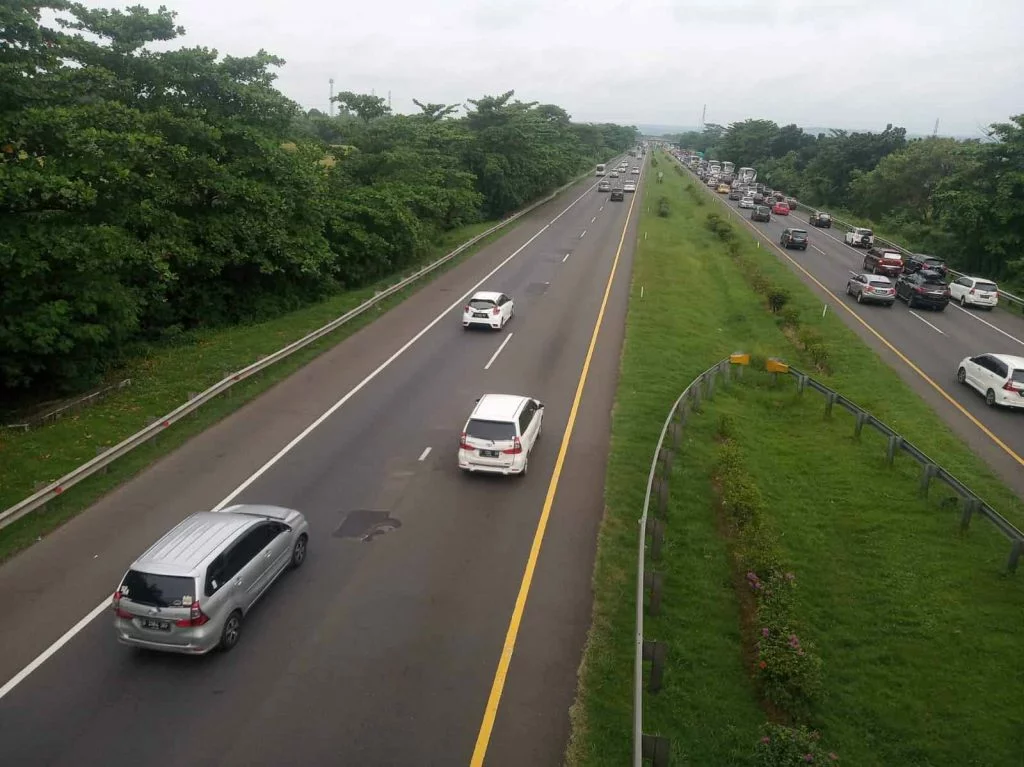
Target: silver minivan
(190, 591)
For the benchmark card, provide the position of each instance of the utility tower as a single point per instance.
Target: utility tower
(703, 114)
(935, 130)
(330, 102)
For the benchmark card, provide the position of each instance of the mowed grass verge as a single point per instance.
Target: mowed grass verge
(904, 557)
(169, 376)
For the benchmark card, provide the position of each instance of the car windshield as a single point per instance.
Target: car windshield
(481, 303)
(989, 286)
(496, 431)
(799, 234)
(158, 590)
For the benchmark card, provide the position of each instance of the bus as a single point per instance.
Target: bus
(600, 169)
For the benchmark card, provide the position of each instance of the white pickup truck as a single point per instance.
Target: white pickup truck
(859, 237)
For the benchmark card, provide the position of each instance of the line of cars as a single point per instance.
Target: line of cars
(189, 592)
(920, 280)
(619, 188)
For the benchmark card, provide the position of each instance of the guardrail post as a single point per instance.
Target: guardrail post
(801, 383)
(928, 471)
(711, 384)
(659, 489)
(695, 392)
(665, 461)
(656, 532)
(970, 506)
(655, 748)
(1015, 552)
(652, 582)
(830, 401)
(655, 652)
(858, 427)
(895, 441)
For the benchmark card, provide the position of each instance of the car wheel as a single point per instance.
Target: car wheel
(990, 398)
(860, 298)
(526, 465)
(961, 376)
(231, 632)
(889, 304)
(940, 308)
(963, 301)
(910, 301)
(299, 551)
(848, 291)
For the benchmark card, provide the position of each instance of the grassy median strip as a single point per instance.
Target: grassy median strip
(167, 378)
(880, 573)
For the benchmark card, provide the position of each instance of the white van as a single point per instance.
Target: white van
(600, 170)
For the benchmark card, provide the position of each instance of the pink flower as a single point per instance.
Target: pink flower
(808, 758)
(765, 632)
(766, 740)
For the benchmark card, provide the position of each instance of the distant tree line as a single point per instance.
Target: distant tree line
(145, 194)
(962, 200)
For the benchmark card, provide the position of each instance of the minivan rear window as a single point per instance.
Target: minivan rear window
(1017, 376)
(987, 286)
(158, 590)
(496, 431)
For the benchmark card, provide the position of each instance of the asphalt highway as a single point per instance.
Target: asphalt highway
(934, 342)
(380, 651)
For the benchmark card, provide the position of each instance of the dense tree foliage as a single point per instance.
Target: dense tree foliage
(143, 194)
(963, 200)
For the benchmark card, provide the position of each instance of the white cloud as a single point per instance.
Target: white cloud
(814, 62)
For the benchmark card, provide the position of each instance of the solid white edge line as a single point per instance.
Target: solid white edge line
(926, 322)
(583, 234)
(566, 257)
(495, 355)
(973, 316)
(593, 219)
(424, 454)
(70, 633)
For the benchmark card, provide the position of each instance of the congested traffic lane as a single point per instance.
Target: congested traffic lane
(934, 342)
(379, 652)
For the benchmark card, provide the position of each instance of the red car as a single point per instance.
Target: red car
(780, 209)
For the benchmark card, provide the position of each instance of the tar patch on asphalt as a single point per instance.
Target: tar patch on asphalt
(537, 288)
(366, 524)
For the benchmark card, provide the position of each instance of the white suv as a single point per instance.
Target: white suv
(859, 237)
(500, 433)
(488, 308)
(974, 291)
(998, 377)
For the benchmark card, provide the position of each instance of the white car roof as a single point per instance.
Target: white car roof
(979, 279)
(486, 295)
(498, 407)
(1017, 363)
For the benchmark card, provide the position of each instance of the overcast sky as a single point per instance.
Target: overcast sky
(835, 63)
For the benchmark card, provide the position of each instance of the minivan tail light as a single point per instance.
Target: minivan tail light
(117, 607)
(516, 449)
(1011, 385)
(196, 617)
(463, 444)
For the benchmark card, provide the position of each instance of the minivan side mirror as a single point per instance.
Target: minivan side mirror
(540, 405)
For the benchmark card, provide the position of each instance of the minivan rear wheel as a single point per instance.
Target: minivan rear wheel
(231, 632)
(299, 551)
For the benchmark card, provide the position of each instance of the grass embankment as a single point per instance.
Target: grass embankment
(165, 379)
(915, 626)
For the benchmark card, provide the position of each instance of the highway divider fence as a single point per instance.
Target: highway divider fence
(655, 749)
(157, 425)
(1010, 301)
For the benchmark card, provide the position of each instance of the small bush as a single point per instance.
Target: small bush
(789, 318)
(782, 746)
(758, 281)
(722, 229)
(725, 426)
(663, 207)
(777, 298)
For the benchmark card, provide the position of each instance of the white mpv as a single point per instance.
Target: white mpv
(974, 291)
(998, 377)
(500, 434)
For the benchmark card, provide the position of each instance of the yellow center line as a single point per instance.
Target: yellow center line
(483, 737)
(928, 379)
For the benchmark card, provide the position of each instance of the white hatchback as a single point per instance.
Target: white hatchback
(500, 434)
(629, 186)
(997, 377)
(489, 309)
(974, 291)
(746, 202)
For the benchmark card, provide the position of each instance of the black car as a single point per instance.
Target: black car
(919, 261)
(617, 194)
(761, 213)
(735, 194)
(923, 288)
(793, 238)
(822, 219)
(758, 198)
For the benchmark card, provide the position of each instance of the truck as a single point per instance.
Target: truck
(747, 176)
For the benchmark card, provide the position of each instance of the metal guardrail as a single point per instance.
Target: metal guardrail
(845, 226)
(656, 748)
(104, 459)
(653, 747)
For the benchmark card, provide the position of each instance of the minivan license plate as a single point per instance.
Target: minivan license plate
(152, 623)
(489, 453)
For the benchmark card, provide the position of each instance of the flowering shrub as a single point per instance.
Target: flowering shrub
(782, 746)
(789, 672)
